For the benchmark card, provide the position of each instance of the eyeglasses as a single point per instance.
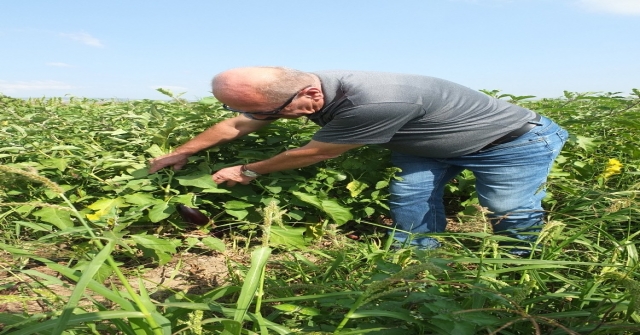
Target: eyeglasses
(272, 112)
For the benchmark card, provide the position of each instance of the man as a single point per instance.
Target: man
(433, 127)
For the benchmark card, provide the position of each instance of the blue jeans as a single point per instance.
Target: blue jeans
(510, 182)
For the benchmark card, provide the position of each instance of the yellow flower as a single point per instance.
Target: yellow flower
(613, 167)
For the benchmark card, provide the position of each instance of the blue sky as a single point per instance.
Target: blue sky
(126, 49)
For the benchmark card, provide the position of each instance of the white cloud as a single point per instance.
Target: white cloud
(622, 7)
(11, 87)
(625, 7)
(58, 64)
(84, 38)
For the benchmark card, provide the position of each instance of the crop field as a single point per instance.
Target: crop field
(91, 243)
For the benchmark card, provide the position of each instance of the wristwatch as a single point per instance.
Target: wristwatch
(248, 173)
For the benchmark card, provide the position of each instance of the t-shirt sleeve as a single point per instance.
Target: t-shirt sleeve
(367, 124)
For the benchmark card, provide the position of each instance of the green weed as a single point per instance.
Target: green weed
(80, 211)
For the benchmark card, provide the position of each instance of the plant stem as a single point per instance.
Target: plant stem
(167, 189)
(347, 316)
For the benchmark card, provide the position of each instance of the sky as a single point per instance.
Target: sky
(120, 49)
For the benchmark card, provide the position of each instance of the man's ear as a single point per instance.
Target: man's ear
(315, 93)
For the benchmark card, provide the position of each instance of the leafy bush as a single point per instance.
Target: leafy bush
(73, 172)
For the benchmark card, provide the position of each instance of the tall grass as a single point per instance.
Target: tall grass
(583, 277)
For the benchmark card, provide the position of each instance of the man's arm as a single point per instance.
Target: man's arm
(309, 154)
(219, 133)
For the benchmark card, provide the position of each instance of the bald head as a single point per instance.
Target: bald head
(259, 84)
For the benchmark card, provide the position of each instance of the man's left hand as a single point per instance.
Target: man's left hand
(231, 175)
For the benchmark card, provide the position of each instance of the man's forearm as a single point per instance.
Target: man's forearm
(311, 153)
(219, 133)
(297, 158)
(285, 161)
(207, 139)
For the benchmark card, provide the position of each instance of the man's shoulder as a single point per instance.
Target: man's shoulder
(361, 73)
(369, 78)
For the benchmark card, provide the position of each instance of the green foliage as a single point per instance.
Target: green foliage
(98, 152)
(74, 173)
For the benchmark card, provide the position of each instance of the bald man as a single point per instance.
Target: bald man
(433, 127)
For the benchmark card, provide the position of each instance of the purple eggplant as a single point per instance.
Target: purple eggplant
(192, 215)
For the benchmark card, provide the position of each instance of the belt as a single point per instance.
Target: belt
(516, 133)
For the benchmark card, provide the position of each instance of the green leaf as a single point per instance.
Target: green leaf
(19, 129)
(155, 151)
(78, 291)
(382, 184)
(65, 147)
(15, 250)
(58, 163)
(112, 295)
(197, 180)
(631, 123)
(208, 101)
(78, 319)
(308, 198)
(235, 204)
(191, 241)
(274, 189)
(166, 92)
(57, 217)
(215, 190)
(231, 327)
(369, 211)
(356, 187)
(259, 259)
(237, 208)
(184, 199)
(104, 206)
(238, 214)
(337, 212)
(34, 226)
(288, 236)
(291, 308)
(461, 327)
(101, 275)
(139, 173)
(152, 242)
(141, 199)
(404, 315)
(12, 149)
(586, 143)
(214, 243)
(163, 248)
(160, 212)
(296, 215)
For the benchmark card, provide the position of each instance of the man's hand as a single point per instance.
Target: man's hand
(232, 175)
(175, 159)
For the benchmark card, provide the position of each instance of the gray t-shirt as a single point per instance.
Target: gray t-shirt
(412, 114)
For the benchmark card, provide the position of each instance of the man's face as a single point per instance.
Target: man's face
(306, 101)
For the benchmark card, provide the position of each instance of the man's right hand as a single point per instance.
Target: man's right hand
(175, 159)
